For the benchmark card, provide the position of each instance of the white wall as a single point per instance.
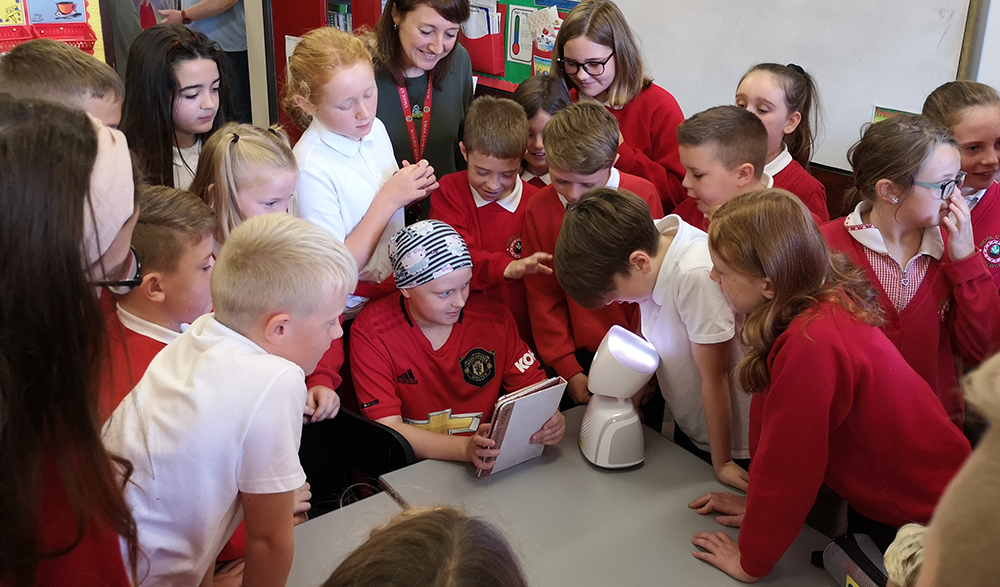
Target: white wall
(862, 53)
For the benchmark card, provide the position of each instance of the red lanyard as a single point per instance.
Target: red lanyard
(415, 112)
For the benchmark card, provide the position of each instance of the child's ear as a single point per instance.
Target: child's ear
(461, 147)
(745, 174)
(792, 123)
(887, 191)
(211, 191)
(151, 287)
(304, 104)
(615, 162)
(276, 328)
(767, 288)
(641, 261)
(405, 292)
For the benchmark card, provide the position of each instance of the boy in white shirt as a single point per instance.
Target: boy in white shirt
(611, 250)
(213, 427)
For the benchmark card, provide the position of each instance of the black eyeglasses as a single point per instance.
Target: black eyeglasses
(946, 187)
(133, 271)
(593, 68)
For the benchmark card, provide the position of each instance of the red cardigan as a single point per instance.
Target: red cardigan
(649, 128)
(843, 408)
(560, 325)
(493, 236)
(986, 229)
(805, 187)
(955, 315)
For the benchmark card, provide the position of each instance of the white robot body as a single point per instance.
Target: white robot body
(611, 432)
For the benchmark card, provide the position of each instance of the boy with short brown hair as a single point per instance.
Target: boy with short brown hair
(173, 242)
(57, 72)
(486, 205)
(581, 145)
(611, 250)
(723, 151)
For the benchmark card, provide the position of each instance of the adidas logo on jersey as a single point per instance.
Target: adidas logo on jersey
(407, 378)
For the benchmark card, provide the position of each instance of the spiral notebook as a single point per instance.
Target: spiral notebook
(517, 416)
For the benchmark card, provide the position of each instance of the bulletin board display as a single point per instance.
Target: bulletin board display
(517, 53)
(77, 22)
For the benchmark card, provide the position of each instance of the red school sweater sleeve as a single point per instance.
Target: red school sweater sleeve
(327, 371)
(649, 128)
(452, 203)
(790, 437)
(645, 190)
(548, 308)
(975, 323)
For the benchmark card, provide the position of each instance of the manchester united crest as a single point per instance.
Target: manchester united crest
(478, 366)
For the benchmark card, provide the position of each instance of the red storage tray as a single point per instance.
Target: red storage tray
(488, 53)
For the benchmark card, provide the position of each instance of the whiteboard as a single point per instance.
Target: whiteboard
(862, 53)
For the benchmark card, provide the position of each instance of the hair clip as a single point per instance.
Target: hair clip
(272, 131)
(236, 139)
(796, 68)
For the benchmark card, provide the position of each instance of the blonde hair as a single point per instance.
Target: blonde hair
(735, 135)
(771, 234)
(234, 158)
(278, 263)
(893, 149)
(602, 22)
(497, 127)
(581, 138)
(311, 66)
(54, 71)
(947, 103)
(170, 221)
(433, 547)
(905, 555)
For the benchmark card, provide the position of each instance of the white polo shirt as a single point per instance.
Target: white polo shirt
(338, 180)
(214, 415)
(688, 307)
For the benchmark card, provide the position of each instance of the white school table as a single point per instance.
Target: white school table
(324, 542)
(573, 524)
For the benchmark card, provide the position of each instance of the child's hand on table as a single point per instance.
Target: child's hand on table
(733, 507)
(723, 552)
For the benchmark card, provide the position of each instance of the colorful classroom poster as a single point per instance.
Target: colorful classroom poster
(11, 12)
(882, 113)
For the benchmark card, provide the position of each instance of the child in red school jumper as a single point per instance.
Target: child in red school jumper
(432, 361)
(581, 145)
(541, 96)
(785, 98)
(971, 113)
(596, 53)
(941, 306)
(173, 244)
(833, 400)
(486, 204)
(723, 150)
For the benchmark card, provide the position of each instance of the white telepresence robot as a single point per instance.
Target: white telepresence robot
(611, 433)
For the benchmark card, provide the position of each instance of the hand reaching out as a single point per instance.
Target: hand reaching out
(534, 263)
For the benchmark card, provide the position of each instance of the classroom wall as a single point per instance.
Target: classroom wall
(863, 53)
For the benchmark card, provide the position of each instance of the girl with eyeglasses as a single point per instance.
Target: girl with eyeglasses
(598, 57)
(971, 113)
(941, 307)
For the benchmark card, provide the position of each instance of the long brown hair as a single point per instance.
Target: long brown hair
(770, 233)
(51, 337)
(435, 547)
(602, 22)
(801, 96)
(893, 149)
(389, 51)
